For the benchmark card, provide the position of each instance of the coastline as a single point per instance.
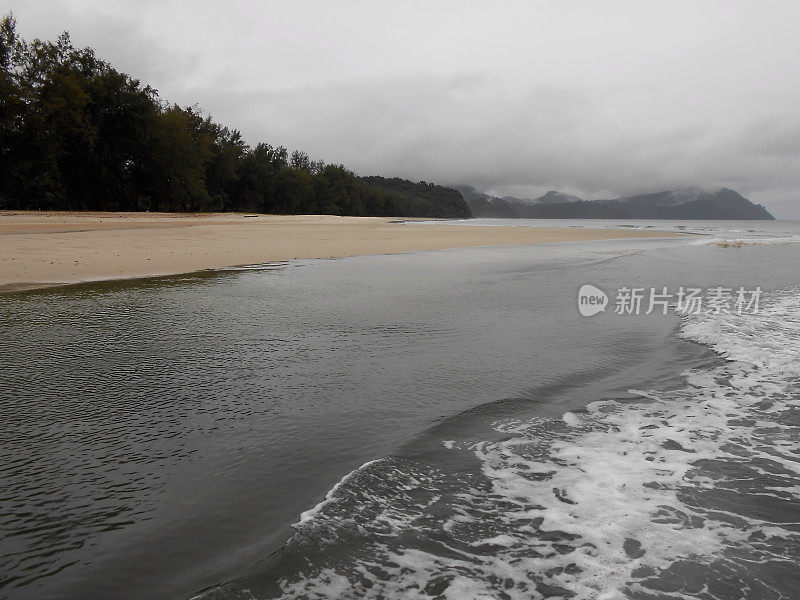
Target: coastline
(45, 249)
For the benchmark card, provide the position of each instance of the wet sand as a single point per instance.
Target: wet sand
(42, 249)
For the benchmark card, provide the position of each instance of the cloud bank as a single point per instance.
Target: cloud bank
(599, 100)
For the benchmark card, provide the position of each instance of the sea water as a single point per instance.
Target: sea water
(421, 425)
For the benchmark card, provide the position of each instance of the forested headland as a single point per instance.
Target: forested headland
(424, 199)
(76, 134)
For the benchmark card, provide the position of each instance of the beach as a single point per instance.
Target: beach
(41, 249)
(272, 432)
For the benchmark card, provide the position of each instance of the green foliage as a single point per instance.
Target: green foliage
(422, 199)
(75, 134)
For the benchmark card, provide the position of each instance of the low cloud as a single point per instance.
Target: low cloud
(473, 129)
(537, 96)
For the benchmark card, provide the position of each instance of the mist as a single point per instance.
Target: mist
(514, 98)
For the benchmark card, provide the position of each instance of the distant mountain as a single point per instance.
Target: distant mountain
(493, 208)
(486, 206)
(554, 197)
(670, 204)
(696, 204)
(515, 200)
(469, 193)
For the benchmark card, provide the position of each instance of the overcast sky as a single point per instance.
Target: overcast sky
(598, 99)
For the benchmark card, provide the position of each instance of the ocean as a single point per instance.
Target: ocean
(432, 424)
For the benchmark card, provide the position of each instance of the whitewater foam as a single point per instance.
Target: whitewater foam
(331, 495)
(681, 493)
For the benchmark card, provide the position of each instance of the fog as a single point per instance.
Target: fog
(598, 100)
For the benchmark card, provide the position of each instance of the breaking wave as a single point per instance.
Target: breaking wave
(691, 492)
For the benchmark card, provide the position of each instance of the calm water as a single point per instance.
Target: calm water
(751, 232)
(162, 437)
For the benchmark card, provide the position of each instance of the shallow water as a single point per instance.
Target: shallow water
(708, 231)
(160, 437)
(687, 492)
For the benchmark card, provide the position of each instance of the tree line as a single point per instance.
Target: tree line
(76, 134)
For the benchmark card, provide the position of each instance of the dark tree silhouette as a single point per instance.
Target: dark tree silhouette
(75, 134)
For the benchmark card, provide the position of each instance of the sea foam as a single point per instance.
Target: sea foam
(682, 493)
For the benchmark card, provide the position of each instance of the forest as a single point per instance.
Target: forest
(76, 134)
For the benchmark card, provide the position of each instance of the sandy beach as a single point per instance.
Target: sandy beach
(42, 249)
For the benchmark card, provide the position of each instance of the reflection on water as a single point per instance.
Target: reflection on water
(160, 436)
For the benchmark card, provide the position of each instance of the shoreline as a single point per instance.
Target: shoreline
(51, 248)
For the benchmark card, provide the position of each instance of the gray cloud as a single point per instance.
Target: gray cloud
(517, 97)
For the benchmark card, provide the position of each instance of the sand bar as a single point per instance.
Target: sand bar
(41, 249)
